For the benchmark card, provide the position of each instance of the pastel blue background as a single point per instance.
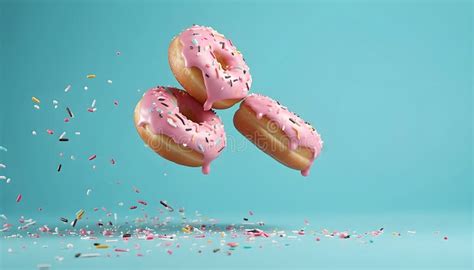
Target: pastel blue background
(388, 84)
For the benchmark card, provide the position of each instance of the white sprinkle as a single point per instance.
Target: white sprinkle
(68, 87)
(89, 255)
(3, 177)
(88, 191)
(73, 157)
(115, 216)
(2, 166)
(36, 106)
(33, 132)
(9, 180)
(69, 246)
(77, 133)
(109, 81)
(93, 103)
(62, 135)
(171, 122)
(200, 147)
(3, 217)
(3, 148)
(55, 102)
(86, 88)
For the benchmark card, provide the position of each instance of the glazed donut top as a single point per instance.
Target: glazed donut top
(225, 73)
(299, 132)
(160, 111)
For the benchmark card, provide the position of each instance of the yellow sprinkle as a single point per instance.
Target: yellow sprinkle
(35, 100)
(101, 246)
(91, 76)
(80, 213)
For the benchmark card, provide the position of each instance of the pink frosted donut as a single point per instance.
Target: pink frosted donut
(278, 132)
(175, 126)
(209, 67)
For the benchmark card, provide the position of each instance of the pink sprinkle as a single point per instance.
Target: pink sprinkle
(139, 255)
(200, 236)
(120, 250)
(251, 213)
(50, 132)
(150, 236)
(233, 244)
(142, 202)
(112, 161)
(92, 157)
(90, 109)
(116, 103)
(133, 207)
(18, 198)
(301, 232)
(66, 119)
(445, 238)
(170, 252)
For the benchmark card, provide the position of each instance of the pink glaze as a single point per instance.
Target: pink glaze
(160, 112)
(201, 48)
(300, 133)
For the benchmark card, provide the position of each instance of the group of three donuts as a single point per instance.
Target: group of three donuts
(181, 126)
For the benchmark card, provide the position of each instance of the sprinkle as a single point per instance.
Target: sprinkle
(59, 167)
(35, 100)
(86, 88)
(88, 191)
(63, 139)
(68, 87)
(64, 220)
(90, 76)
(233, 244)
(3, 148)
(69, 112)
(195, 42)
(170, 252)
(201, 148)
(216, 250)
(167, 206)
(112, 161)
(164, 104)
(36, 106)
(182, 121)
(188, 129)
(88, 255)
(80, 214)
(3, 177)
(109, 81)
(93, 104)
(133, 207)
(171, 122)
(33, 132)
(18, 198)
(92, 157)
(74, 222)
(445, 238)
(120, 250)
(2, 166)
(142, 202)
(101, 246)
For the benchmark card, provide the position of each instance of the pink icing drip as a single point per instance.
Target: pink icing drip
(299, 132)
(160, 111)
(200, 47)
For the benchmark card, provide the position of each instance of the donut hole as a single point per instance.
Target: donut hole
(186, 111)
(223, 60)
(189, 109)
